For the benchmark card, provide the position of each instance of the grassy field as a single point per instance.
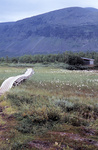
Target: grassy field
(55, 109)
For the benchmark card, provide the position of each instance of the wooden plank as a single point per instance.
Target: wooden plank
(13, 81)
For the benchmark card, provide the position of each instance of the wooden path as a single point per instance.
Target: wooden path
(13, 81)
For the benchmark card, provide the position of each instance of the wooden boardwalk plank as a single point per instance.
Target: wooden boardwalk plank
(12, 81)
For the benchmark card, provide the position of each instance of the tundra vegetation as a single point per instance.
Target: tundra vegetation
(55, 109)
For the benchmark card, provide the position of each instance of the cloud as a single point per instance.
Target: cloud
(12, 10)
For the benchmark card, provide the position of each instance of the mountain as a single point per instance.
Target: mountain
(74, 29)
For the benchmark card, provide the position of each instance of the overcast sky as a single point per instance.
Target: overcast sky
(13, 10)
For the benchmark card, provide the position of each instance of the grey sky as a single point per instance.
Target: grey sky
(13, 10)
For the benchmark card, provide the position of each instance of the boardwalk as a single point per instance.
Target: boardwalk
(13, 81)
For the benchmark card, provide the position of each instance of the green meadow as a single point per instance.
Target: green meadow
(55, 109)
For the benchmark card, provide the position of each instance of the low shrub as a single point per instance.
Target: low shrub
(19, 146)
(25, 125)
(40, 117)
(20, 98)
(76, 121)
(78, 107)
(65, 105)
(71, 67)
(96, 109)
(53, 116)
(77, 67)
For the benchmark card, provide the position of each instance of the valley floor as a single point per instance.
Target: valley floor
(55, 109)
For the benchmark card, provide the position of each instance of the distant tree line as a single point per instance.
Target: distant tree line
(67, 57)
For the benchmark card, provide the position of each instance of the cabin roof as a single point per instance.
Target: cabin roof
(89, 59)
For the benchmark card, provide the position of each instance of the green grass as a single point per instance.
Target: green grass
(53, 99)
(6, 72)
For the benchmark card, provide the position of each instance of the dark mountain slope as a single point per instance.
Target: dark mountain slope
(74, 29)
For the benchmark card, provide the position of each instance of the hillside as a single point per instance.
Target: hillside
(74, 29)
